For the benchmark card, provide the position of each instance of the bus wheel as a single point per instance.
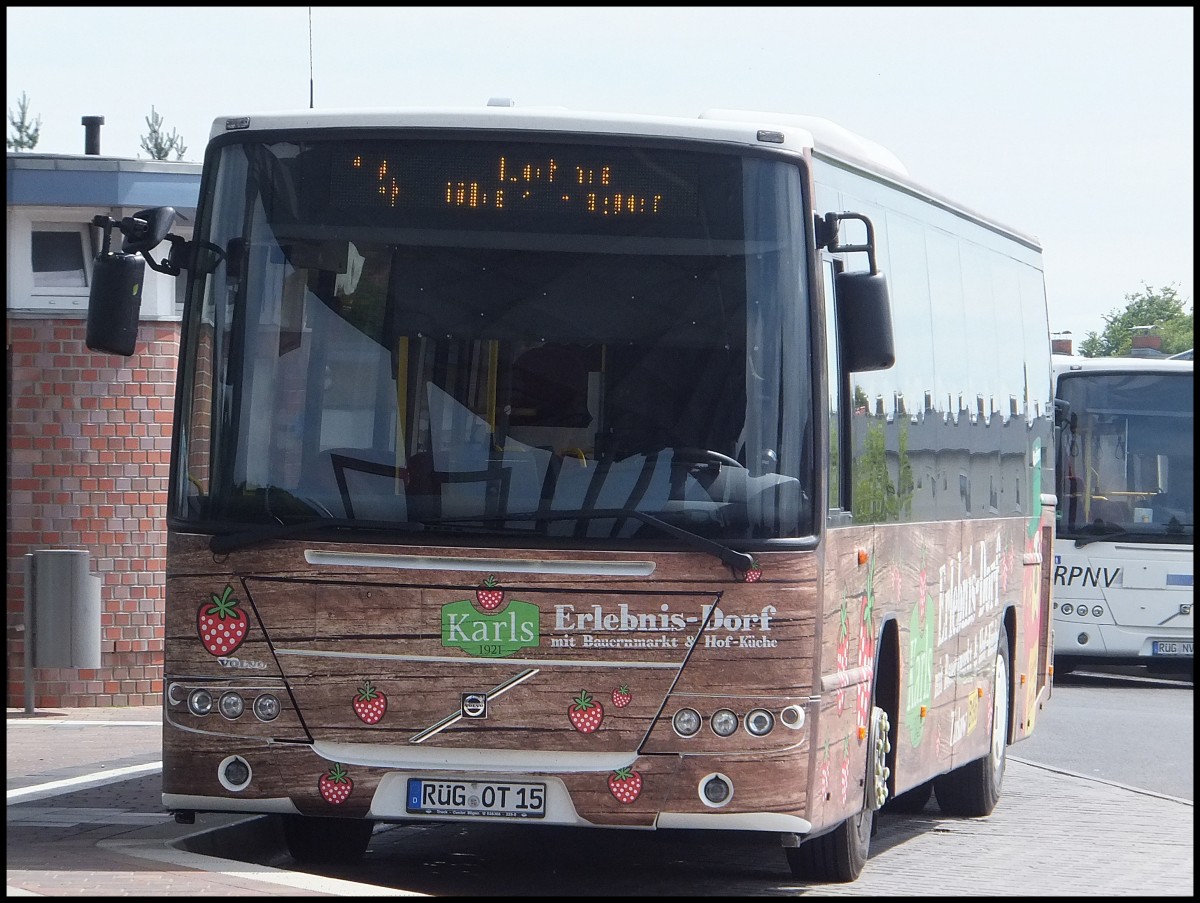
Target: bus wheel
(841, 854)
(1064, 666)
(973, 789)
(911, 801)
(311, 838)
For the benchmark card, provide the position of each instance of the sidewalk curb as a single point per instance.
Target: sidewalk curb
(195, 851)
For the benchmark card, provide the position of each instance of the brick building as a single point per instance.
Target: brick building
(89, 433)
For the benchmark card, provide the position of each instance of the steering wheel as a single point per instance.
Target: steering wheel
(702, 455)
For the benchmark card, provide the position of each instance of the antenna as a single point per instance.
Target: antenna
(310, 60)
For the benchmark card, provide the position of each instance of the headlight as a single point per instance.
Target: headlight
(760, 722)
(200, 702)
(724, 722)
(686, 722)
(266, 707)
(231, 705)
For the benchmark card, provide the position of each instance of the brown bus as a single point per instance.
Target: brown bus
(543, 468)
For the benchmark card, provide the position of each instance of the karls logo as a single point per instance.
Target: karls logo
(490, 635)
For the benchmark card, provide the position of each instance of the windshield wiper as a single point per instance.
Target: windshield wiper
(228, 542)
(738, 561)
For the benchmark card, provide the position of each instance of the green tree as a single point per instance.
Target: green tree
(158, 144)
(25, 133)
(904, 491)
(1161, 309)
(874, 492)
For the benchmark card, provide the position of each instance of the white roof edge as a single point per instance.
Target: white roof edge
(828, 136)
(744, 132)
(1068, 362)
(741, 126)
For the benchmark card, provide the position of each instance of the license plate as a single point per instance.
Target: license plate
(501, 799)
(1170, 647)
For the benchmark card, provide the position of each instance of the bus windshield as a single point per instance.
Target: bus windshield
(498, 339)
(1125, 456)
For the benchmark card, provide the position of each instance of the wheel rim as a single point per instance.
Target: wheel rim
(1000, 713)
(880, 746)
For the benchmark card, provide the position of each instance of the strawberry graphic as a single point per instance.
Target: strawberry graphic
(336, 785)
(621, 696)
(489, 594)
(754, 573)
(625, 784)
(823, 791)
(843, 656)
(846, 772)
(866, 651)
(222, 625)
(585, 713)
(370, 704)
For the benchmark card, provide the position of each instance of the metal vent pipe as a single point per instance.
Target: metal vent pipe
(91, 134)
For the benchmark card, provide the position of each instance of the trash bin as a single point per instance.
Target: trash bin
(63, 609)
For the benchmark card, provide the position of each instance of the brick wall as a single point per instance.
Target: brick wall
(89, 439)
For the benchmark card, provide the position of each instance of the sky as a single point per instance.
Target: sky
(1072, 124)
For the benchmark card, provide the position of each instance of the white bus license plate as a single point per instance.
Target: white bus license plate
(1170, 647)
(494, 798)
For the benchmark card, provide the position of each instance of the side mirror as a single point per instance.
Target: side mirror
(115, 298)
(146, 229)
(864, 322)
(115, 303)
(1062, 411)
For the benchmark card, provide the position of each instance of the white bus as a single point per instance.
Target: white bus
(1123, 570)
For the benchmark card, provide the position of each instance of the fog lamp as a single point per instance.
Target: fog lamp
(716, 790)
(234, 773)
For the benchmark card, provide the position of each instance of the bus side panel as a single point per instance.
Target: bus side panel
(1033, 651)
(947, 586)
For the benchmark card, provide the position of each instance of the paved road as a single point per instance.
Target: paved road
(1053, 834)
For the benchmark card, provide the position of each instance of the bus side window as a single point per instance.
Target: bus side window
(839, 501)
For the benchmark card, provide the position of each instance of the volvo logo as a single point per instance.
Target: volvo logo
(474, 705)
(1185, 609)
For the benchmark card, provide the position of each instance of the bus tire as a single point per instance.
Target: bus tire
(311, 838)
(841, 854)
(973, 790)
(911, 801)
(1064, 666)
